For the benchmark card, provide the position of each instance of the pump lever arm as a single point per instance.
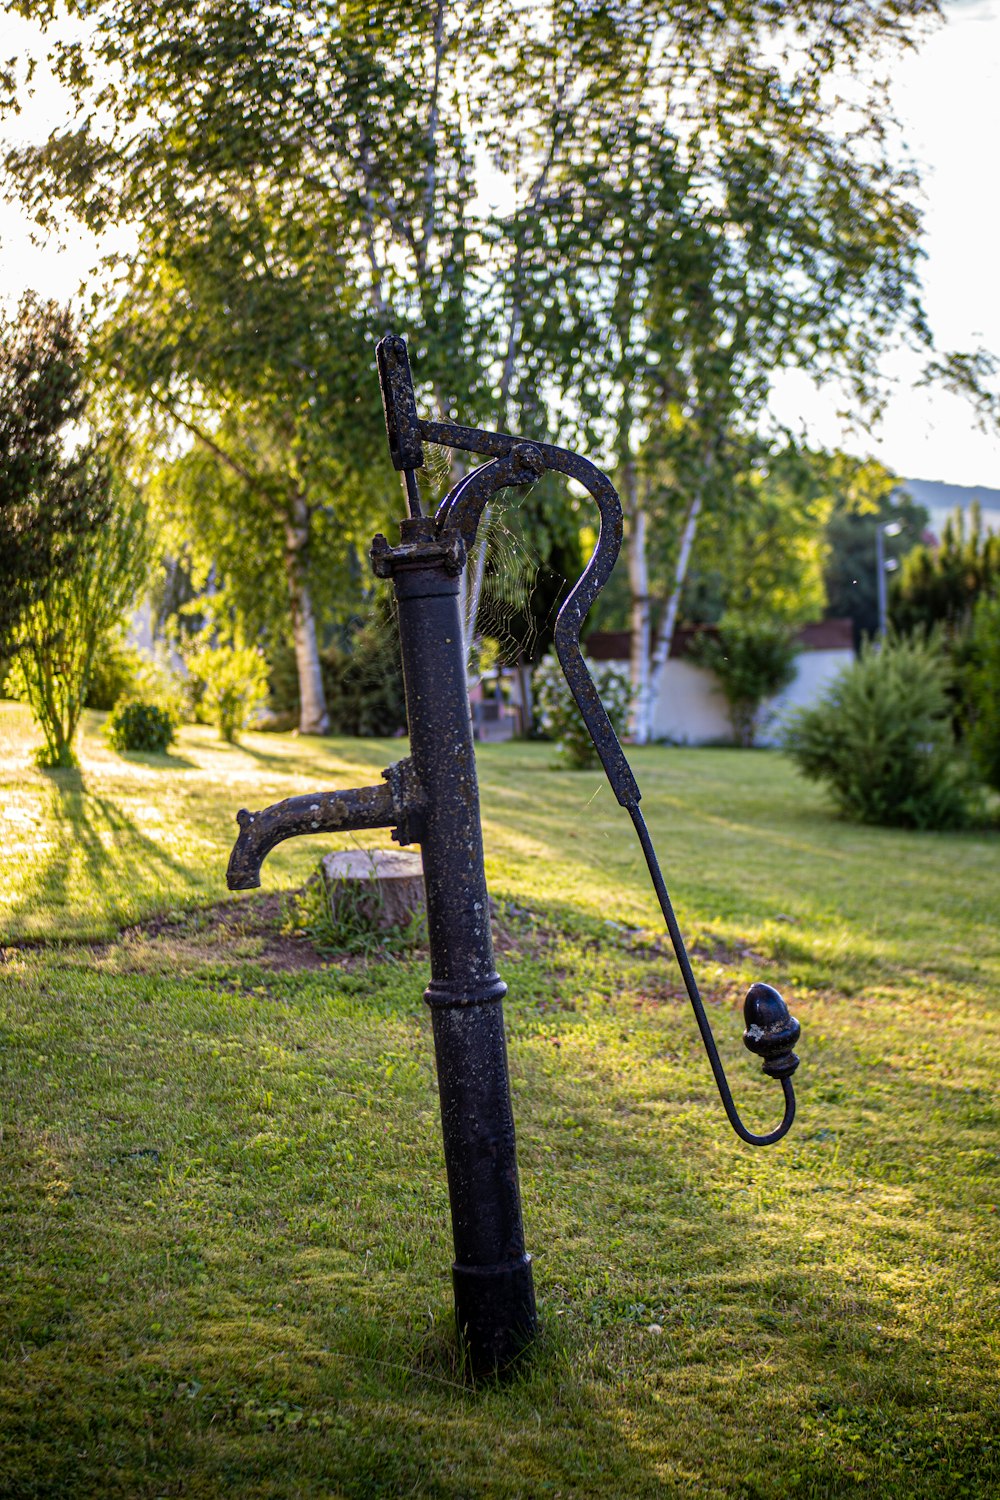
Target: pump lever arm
(770, 1030)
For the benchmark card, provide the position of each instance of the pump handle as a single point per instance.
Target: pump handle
(770, 1030)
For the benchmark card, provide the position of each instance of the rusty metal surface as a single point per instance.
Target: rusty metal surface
(320, 812)
(491, 1274)
(399, 404)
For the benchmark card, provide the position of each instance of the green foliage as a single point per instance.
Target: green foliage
(248, 539)
(140, 726)
(363, 681)
(229, 682)
(881, 739)
(866, 496)
(939, 586)
(51, 500)
(753, 659)
(761, 554)
(116, 672)
(301, 176)
(982, 689)
(60, 635)
(343, 917)
(121, 672)
(560, 718)
(362, 676)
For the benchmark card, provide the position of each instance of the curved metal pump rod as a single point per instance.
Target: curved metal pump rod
(770, 1029)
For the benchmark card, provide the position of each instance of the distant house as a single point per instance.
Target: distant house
(690, 708)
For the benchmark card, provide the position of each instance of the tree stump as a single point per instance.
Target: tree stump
(382, 888)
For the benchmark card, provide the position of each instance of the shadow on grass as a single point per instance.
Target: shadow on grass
(806, 1310)
(281, 763)
(158, 760)
(113, 853)
(361, 753)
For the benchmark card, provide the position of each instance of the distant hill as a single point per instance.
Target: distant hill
(941, 499)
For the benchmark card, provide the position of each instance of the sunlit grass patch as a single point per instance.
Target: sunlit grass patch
(224, 1263)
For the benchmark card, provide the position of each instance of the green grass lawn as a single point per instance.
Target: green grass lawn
(225, 1246)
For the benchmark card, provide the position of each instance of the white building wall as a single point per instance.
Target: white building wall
(815, 670)
(690, 708)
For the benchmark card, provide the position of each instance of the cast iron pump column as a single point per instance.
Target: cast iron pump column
(433, 799)
(494, 1298)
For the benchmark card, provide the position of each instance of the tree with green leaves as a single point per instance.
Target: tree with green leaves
(272, 490)
(300, 178)
(762, 556)
(52, 497)
(59, 636)
(748, 215)
(638, 213)
(941, 585)
(237, 324)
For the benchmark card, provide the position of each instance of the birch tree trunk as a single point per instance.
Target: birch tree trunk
(640, 615)
(313, 717)
(668, 621)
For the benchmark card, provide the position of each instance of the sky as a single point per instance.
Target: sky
(947, 97)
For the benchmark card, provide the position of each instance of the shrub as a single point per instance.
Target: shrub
(753, 659)
(938, 586)
(561, 719)
(229, 684)
(139, 726)
(122, 673)
(115, 673)
(881, 739)
(982, 682)
(58, 638)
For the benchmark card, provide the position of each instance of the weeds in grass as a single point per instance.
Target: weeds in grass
(348, 917)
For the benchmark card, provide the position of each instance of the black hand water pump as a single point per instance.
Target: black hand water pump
(432, 799)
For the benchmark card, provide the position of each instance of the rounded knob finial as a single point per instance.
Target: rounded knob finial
(772, 1030)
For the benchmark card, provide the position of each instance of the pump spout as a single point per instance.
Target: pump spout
(324, 812)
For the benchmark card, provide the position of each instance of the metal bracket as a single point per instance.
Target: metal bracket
(408, 801)
(418, 552)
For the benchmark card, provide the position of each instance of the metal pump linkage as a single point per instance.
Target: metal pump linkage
(432, 799)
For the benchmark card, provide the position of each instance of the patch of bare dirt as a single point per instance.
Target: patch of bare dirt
(518, 932)
(250, 928)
